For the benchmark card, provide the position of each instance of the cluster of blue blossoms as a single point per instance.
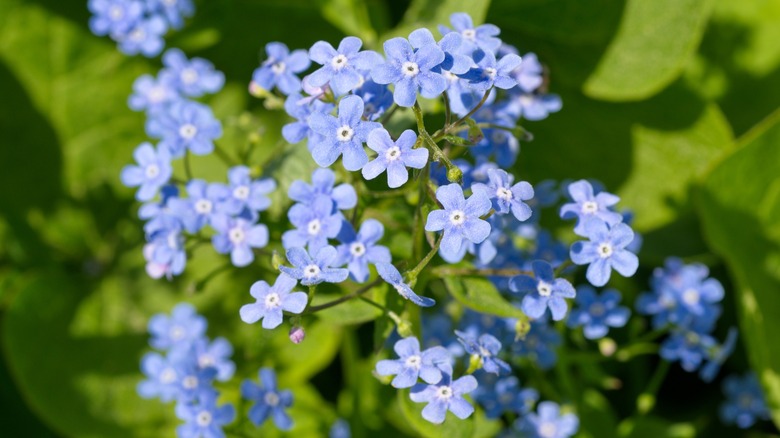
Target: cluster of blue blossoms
(479, 212)
(138, 26)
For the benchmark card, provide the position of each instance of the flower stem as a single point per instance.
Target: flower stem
(411, 276)
(454, 173)
(345, 298)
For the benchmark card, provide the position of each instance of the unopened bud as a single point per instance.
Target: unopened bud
(522, 327)
(405, 329)
(297, 334)
(454, 174)
(276, 260)
(256, 90)
(607, 347)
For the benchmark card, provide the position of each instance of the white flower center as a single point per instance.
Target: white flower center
(168, 376)
(271, 399)
(272, 300)
(547, 430)
(189, 382)
(357, 249)
(116, 12)
(236, 235)
(338, 62)
(241, 192)
(484, 352)
(189, 76)
(490, 72)
(504, 193)
(469, 34)
(138, 34)
(205, 361)
(544, 288)
(177, 333)
(345, 133)
(605, 250)
(413, 362)
(589, 207)
(157, 94)
(203, 206)
(691, 297)
(393, 153)
(188, 131)
(152, 171)
(278, 68)
(311, 271)
(526, 99)
(450, 76)
(410, 69)
(314, 227)
(457, 217)
(444, 392)
(204, 418)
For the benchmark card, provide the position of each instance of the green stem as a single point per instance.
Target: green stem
(224, 156)
(202, 283)
(447, 111)
(411, 275)
(454, 173)
(389, 313)
(646, 400)
(449, 128)
(187, 168)
(345, 298)
(388, 114)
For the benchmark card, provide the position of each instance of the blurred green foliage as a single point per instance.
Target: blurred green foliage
(671, 103)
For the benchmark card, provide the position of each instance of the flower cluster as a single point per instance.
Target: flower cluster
(745, 402)
(186, 372)
(685, 299)
(138, 26)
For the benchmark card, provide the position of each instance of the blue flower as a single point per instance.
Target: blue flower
(539, 344)
(358, 250)
(158, 213)
(272, 300)
(413, 364)
(487, 348)
(167, 245)
(185, 124)
(194, 77)
(238, 236)
(410, 70)
(152, 94)
(194, 381)
(269, 400)
(460, 220)
(341, 68)
(343, 196)
(543, 291)
(604, 251)
(144, 37)
(377, 99)
(173, 10)
(687, 346)
(311, 271)
(587, 205)
(480, 37)
(204, 419)
(597, 313)
(162, 378)
(152, 172)
(454, 62)
(315, 224)
(492, 73)
(215, 354)
(113, 17)
(547, 422)
(745, 403)
(718, 355)
(280, 68)
(446, 395)
(390, 274)
(505, 395)
(196, 211)
(298, 108)
(530, 74)
(245, 193)
(340, 429)
(344, 134)
(507, 197)
(549, 249)
(394, 157)
(182, 328)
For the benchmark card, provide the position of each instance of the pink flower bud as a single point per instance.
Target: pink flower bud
(297, 334)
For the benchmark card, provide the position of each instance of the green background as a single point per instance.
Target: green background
(673, 104)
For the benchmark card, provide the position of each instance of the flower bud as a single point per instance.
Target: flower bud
(405, 329)
(297, 334)
(454, 174)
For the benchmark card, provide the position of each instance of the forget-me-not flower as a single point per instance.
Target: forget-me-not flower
(543, 290)
(314, 225)
(322, 185)
(341, 67)
(297, 107)
(185, 125)
(183, 327)
(506, 196)
(487, 347)
(459, 220)
(174, 11)
(281, 67)
(394, 157)
(144, 37)
(493, 73)
(454, 62)
(410, 70)
(214, 354)
(586, 205)
(530, 74)
(412, 364)
(114, 17)
(272, 300)
(479, 37)
(246, 193)
(196, 210)
(446, 395)
(745, 403)
(269, 400)
(604, 251)
(547, 422)
(359, 249)
(390, 274)
(344, 134)
(313, 270)
(238, 236)
(534, 106)
(152, 172)
(204, 418)
(597, 313)
(193, 77)
(162, 378)
(152, 94)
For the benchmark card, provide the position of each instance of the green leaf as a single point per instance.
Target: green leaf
(354, 311)
(452, 427)
(652, 46)
(740, 208)
(351, 17)
(481, 295)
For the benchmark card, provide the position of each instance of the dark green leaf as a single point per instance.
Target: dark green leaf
(481, 295)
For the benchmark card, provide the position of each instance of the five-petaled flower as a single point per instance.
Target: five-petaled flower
(543, 290)
(587, 205)
(410, 70)
(605, 250)
(459, 220)
(506, 196)
(238, 236)
(269, 400)
(446, 395)
(281, 67)
(341, 67)
(314, 270)
(152, 172)
(597, 313)
(359, 249)
(412, 364)
(394, 157)
(272, 300)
